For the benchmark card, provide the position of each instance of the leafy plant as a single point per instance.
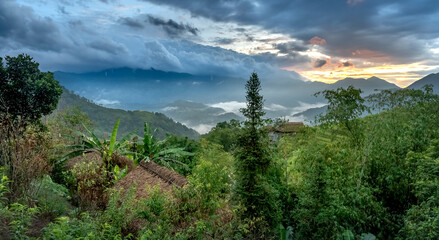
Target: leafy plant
(119, 174)
(158, 151)
(21, 217)
(51, 197)
(106, 149)
(4, 188)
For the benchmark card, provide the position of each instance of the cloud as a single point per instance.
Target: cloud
(291, 47)
(346, 64)
(317, 41)
(157, 56)
(354, 2)
(169, 108)
(398, 29)
(303, 106)
(108, 46)
(201, 128)
(107, 102)
(21, 28)
(232, 106)
(171, 27)
(331, 64)
(275, 107)
(320, 63)
(131, 22)
(224, 41)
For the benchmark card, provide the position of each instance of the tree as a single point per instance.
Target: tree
(26, 93)
(225, 134)
(255, 102)
(345, 106)
(254, 189)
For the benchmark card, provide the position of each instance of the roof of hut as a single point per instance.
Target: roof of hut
(149, 174)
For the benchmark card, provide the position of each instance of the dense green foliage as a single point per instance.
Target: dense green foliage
(26, 93)
(225, 134)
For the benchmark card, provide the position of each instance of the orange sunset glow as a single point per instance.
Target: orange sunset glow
(402, 75)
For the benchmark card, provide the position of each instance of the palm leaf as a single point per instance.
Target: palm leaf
(73, 154)
(113, 138)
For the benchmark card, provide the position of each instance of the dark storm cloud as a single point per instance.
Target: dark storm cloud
(288, 60)
(396, 28)
(290, 47)
(62, 9)
(320, 63)
(131, 22)
(21, 28)
(347, 64)
(108, 46)
(171, 27)
(225, 41)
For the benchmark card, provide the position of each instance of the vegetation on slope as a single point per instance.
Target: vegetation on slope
(103, 118)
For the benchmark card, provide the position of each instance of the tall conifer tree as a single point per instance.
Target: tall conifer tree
(253, 160)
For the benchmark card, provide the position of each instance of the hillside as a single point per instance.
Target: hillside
(104, 118)
(432, 79)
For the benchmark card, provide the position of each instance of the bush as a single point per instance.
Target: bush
(91, 183)
(108, 224)
(20, 218)
(30, 149)
(52, 198)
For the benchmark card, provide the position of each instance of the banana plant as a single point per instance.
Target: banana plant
(91, 143)
(159, 151)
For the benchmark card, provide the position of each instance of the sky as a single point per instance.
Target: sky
(325, 40)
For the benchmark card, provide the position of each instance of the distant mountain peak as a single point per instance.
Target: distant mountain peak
(373, 78)
(432, 78)
(362, 83)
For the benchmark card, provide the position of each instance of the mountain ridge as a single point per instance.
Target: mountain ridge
(104, 118)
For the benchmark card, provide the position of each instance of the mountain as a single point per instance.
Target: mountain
(432, 79)
(177, 94)
(310, 114)
(151, 89)
(104, 118)
(367, 85)
(197, 115)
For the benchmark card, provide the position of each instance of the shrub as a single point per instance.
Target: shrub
(30, 149)
(51, 197)
(91, 182)
(20, 218)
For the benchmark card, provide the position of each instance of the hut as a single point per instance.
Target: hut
(149, 174)
(144, 176)
(287, 128)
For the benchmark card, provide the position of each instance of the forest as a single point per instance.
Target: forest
(352, 175)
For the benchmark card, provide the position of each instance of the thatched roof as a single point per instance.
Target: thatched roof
(149, 174)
